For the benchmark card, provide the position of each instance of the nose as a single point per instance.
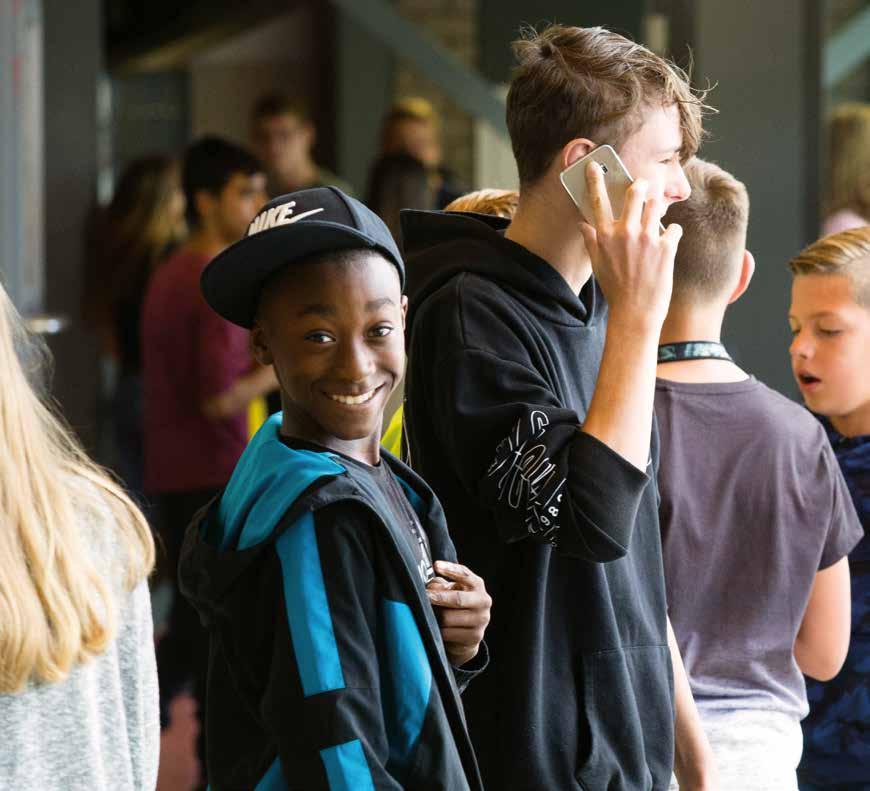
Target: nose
(678, 187)
(355, 361)
(800, 346)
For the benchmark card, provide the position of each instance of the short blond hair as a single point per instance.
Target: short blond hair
(714, 221)
(499, 203)
(846, 253)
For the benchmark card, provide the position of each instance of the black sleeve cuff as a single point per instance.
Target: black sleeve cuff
(605, 492)
(465, 674)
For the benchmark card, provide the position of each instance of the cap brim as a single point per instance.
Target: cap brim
(232, 282)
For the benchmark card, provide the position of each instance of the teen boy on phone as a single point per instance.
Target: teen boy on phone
(529, 408)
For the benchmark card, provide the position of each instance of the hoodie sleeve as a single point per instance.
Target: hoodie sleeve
(520, 453)
(322, 702)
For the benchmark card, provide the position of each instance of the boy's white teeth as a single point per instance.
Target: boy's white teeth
(353, 400)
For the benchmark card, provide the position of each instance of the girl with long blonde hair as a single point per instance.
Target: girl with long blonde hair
(78, 684)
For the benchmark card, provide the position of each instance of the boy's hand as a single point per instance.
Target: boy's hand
(462, 606)
(632, 260)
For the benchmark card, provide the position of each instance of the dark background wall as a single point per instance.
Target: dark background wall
(73, 59)
(500, 22)
(760, 57)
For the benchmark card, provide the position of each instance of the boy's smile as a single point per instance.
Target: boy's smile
(830, 352)
(334, 331)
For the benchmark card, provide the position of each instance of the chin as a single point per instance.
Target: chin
(350, 433)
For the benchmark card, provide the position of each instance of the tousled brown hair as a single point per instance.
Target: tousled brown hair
(846, 253)
(575, 82)
(714, 221)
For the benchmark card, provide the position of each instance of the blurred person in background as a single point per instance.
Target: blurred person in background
(126, 242)
(199, 378)
(78, 682)
(412, 127)
(398, 181)
(283, 138)
(848, 204)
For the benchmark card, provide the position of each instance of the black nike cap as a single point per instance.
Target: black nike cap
(287, 230)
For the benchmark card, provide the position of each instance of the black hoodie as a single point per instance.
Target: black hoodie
(503, 364)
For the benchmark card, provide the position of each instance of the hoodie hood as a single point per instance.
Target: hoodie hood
(227, 536)
(441, 245)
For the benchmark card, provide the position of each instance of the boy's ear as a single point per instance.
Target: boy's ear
(404, 310)
(747, 269)
(574, 150)
(260, 345)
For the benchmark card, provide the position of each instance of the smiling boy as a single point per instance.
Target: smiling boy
(830, 355)
(315, 570)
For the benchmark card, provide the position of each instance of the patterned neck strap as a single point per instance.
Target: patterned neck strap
(693, 350)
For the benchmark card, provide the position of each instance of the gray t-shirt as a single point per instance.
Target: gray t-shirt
(753, 505)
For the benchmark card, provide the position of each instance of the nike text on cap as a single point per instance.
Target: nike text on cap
(290, 229)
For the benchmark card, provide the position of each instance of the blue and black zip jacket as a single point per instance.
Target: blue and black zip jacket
(326, 666)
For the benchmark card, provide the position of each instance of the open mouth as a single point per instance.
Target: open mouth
(354, 400)
(808, 380)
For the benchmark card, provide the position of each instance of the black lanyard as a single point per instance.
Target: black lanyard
(693, 350)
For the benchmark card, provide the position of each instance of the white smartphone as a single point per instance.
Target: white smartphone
(616, 179)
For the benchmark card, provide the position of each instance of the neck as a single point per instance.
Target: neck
(205, 240)
(855, 424)
(692, 324)
(548, 225)
(696, 324)
(366, 449)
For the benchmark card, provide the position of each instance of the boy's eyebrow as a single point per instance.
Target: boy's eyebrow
(817, 315)
(317, 310)
(379, 303)
(821, 313)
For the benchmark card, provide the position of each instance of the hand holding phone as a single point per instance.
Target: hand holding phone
(616, 181)
(632, 261)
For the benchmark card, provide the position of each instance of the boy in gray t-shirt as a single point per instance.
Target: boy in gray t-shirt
(756, 518)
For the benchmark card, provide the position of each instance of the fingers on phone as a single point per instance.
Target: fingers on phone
(601, 209)
(652, 215)
(635, 202)
(590, 238)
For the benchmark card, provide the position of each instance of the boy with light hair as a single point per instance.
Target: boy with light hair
(830, 321)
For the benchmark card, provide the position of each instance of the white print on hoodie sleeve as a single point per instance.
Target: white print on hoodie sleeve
(526, 479)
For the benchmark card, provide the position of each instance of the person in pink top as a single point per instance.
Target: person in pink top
(199, 377)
